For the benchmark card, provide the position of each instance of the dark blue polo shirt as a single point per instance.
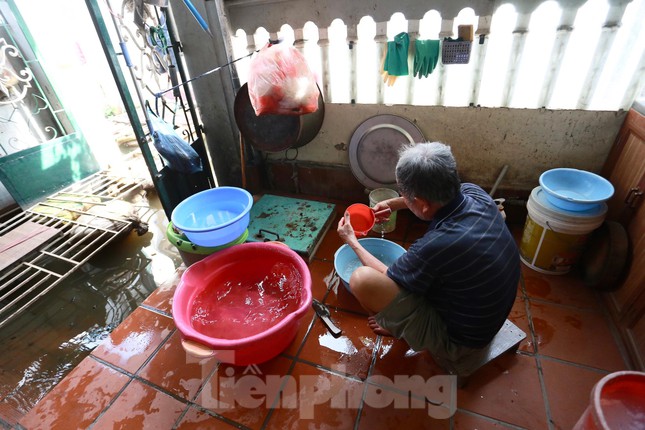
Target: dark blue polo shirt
(467, 265)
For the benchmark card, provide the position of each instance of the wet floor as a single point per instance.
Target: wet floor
(62, 328)
(141, 377)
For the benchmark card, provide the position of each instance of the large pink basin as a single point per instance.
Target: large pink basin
(244, 304)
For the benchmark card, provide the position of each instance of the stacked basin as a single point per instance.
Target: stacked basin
(563, 211)
(210, 221)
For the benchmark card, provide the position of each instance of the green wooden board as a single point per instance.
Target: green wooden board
(300, 224)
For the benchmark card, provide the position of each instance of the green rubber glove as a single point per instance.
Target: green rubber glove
(426, 56)
(396, 60)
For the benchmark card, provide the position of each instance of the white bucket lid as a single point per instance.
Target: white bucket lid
(541, 210)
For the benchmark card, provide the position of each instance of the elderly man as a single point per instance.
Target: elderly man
(451, 292)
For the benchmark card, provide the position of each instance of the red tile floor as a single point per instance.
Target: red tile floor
(140, 377)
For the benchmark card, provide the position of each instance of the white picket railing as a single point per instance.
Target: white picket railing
(592, 58)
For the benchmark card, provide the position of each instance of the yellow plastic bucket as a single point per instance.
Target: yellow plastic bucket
(553, 239)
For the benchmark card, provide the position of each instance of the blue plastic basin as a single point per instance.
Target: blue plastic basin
(214, 217)
(346, 260)
(575, 190)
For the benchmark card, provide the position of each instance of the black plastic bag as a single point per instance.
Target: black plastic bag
(175, 151)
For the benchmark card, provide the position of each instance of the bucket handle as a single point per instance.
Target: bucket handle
(197, 349)
(557, 233)
(266, 239)
(550, 227)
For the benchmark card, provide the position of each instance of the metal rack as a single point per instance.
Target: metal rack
(75, 242)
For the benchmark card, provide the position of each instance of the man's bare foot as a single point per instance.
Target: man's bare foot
(371, 321)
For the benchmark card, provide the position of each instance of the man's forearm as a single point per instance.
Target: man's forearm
(368, 259)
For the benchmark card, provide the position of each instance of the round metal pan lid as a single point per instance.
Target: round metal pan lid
(374, 148)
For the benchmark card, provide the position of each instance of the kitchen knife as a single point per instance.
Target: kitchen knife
(323, 312)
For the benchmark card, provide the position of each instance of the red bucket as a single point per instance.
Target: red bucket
(617, 402)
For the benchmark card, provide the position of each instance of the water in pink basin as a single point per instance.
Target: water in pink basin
(247, 303)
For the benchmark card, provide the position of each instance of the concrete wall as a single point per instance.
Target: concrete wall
(483, 139)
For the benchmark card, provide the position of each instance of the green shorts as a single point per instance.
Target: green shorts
(412, 318)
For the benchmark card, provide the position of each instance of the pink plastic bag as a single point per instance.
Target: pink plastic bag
(280, 82)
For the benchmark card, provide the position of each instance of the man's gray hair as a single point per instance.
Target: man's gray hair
(428, 170)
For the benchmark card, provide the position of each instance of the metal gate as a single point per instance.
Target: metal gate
(146, 46)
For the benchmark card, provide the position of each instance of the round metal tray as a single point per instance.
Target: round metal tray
(374, 148)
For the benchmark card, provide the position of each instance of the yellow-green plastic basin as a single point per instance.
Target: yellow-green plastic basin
(183, 244)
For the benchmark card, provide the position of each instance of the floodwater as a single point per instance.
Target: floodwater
(46, 342)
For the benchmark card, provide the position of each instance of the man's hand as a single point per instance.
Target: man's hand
(382, 212)
(345, 229)
(346, 233)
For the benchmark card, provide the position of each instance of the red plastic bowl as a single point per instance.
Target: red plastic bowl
(362, 218)
(244, 304)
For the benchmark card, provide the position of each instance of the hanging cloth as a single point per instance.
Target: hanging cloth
(426, 56)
